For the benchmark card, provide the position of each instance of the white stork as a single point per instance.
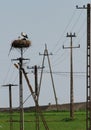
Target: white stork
(24, 35)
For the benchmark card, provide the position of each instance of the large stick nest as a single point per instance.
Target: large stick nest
(21, 43)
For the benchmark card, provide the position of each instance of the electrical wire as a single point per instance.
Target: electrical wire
(64, 30)
(77, 20)
(60, 59)
(60, 72)
(80, 29)
(27, 99)
(7, 74)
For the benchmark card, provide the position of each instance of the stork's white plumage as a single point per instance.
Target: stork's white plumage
(24, 35)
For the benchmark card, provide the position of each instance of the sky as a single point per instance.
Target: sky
(45, 22)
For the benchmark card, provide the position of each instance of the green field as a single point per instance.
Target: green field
(55, 121)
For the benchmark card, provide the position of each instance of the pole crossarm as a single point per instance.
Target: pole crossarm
(7, 85)
(84, 7)
(20, 59)
(71, 47)
(38, 67)
(70, 35)
(45, 54)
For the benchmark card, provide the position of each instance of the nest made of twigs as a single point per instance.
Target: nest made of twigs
(21, 43)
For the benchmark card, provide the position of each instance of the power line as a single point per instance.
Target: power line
(60, 72)
(82, 34)
(64, 30)
(77, 20)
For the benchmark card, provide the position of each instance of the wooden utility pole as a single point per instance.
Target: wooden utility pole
(71, 74)
(47, 54)
(10, 103)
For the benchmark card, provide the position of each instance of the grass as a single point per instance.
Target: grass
(55, 120)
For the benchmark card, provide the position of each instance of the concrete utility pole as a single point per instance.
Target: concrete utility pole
(36, 94)
(47, 54)
(88, 75)
(20, 66)
(21, 92)
(10, 103)
(71, 74)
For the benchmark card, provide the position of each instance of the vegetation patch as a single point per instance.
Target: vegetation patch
(55, 120)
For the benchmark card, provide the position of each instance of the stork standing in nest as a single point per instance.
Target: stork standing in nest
(24, 35)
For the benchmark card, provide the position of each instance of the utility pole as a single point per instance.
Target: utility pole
(10, 103)
(71, 74)
(88, 73)
(21, 92)
(21, 89)
(20, 66)
(47, 54)
(36, 93)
